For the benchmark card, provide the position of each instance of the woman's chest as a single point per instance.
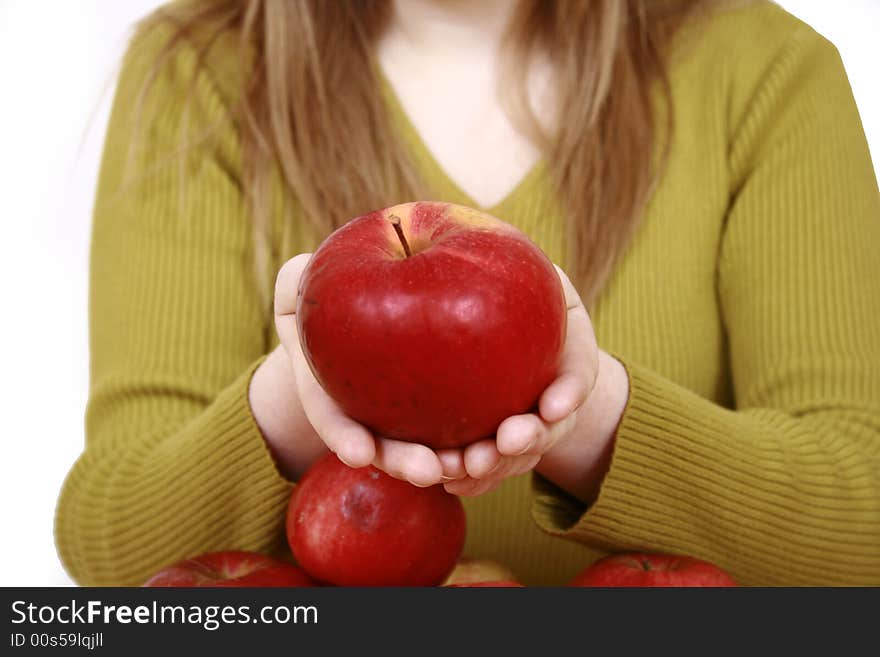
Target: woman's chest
(661, 307)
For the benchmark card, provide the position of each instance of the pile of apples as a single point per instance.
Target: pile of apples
(361, 527)
(427, 322)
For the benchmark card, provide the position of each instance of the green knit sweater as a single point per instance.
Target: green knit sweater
(746, 312)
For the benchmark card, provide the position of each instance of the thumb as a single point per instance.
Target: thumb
(286, 294)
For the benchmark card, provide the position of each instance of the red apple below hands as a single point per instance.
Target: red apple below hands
(231, 568)
(362, 527)
(431, 322)
(653, 570)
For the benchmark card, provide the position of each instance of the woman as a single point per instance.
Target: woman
(697, 168)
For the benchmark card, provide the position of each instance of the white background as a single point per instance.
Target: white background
(57, 63)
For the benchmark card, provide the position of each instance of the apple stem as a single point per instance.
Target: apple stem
(395, 221)
(646, 564)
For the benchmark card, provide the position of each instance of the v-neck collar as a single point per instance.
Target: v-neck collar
(430, 166)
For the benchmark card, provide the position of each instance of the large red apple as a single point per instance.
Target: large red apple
(431, 322)
(231, 568)
(361, 527)
(653, 570)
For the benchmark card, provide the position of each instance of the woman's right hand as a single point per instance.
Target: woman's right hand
(353, 443)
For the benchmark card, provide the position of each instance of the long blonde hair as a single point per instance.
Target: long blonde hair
(311, 103)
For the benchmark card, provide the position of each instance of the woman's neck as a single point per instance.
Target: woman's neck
(441, 26)
(442, 58)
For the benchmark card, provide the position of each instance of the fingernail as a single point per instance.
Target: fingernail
(445, 478)
(417, 484)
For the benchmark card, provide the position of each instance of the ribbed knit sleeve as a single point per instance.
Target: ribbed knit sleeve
(785, 487)
(174, 463)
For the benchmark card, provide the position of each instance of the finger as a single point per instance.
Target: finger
(579, 362)
(508, 467)
(287, 284)
(572, 298)
(351, 441)
(511, 466)
(515, 431)
(524, 464)
(286, 290)
(481, 457)
(417, 464)
(518, 434)
(470, 487)
(452, 461)
(566, 394)
(285, 327)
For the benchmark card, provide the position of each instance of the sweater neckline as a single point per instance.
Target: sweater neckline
(431, 168)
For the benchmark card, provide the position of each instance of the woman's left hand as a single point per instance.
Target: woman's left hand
(521, 440)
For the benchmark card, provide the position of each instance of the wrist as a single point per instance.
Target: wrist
(579, 462)
(274, 400)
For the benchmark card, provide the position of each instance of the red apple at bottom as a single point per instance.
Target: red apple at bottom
(361, 527)
(231, 568)
(653, 570)
(431, 322)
